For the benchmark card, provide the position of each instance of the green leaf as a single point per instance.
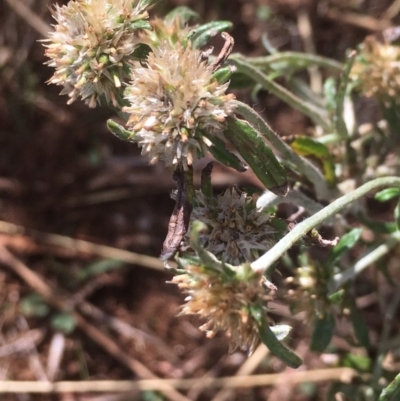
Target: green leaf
(397, 214)
(205, 183)
(205, 32)
(185, 14)
(268, 337)
(306, 146)
(323, 332)
(347, 242)
(257, 154)
(240, 80)
(222, 75)
(387, 194)
(99, 267)
(64, 322)
(33, 305)
(146, 3)
(120, 132)
(360, 328)
(359, 362)
(392, 391)
(337, 297)
(140, 24)
(224, 156)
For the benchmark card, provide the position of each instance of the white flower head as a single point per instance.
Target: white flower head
(91, 47)
(173, 100)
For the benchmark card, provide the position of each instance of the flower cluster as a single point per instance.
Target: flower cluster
(173, 100)
(237, 230)
(224, 297)
(92, 47)
(311, 292)
(377, 69)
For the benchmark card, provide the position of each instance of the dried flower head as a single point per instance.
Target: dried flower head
(377, 69)
(237, 230)
(92, 47)
(224, 297)
(173, 100)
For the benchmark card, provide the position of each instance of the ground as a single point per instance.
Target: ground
(62, 172)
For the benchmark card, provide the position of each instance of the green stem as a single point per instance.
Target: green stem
(293, 58)
(270, 257)
(392, 391)
(306, 168)
(340, 278)
(319, 116)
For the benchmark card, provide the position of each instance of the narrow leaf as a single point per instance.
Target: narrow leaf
(387, 194)
(257, 154)
(119, 131)
(359, 326)
(392, 391)
(205, 32)
(347, 242)
(323, 332)
(224, 156)
(274, 345)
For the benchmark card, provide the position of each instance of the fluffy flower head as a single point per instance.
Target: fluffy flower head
(237, 230)
(224, 298)
(173, 100)
(91, 47)
(377, 69)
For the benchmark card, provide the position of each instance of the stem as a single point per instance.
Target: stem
(306, 168)
(265, 261)
(340, 278)
(319, 116)
(293, 58)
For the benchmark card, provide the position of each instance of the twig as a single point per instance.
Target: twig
(270, 257)
(391, 11)
(248, 367)
(81, 246)
(345, 375)
(60, 302)
(361, 21)
(30, 17)
(306, 33)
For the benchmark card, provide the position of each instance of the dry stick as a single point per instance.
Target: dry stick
(30, 17)
(248, 367)
(391, 11)
(341, 374)
(306, 33)
(361, 21)
(84, 246)
(102, 340)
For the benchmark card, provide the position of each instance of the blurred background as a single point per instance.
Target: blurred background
(82, 310)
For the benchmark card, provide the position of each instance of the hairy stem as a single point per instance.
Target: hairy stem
(270, 257)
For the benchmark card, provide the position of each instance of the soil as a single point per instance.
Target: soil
(62, 172)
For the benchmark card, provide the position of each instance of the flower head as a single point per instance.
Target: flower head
(311, 291)
(224, 297)
(92, 47)
(377, 69)
(237, 230)
(173, 101)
